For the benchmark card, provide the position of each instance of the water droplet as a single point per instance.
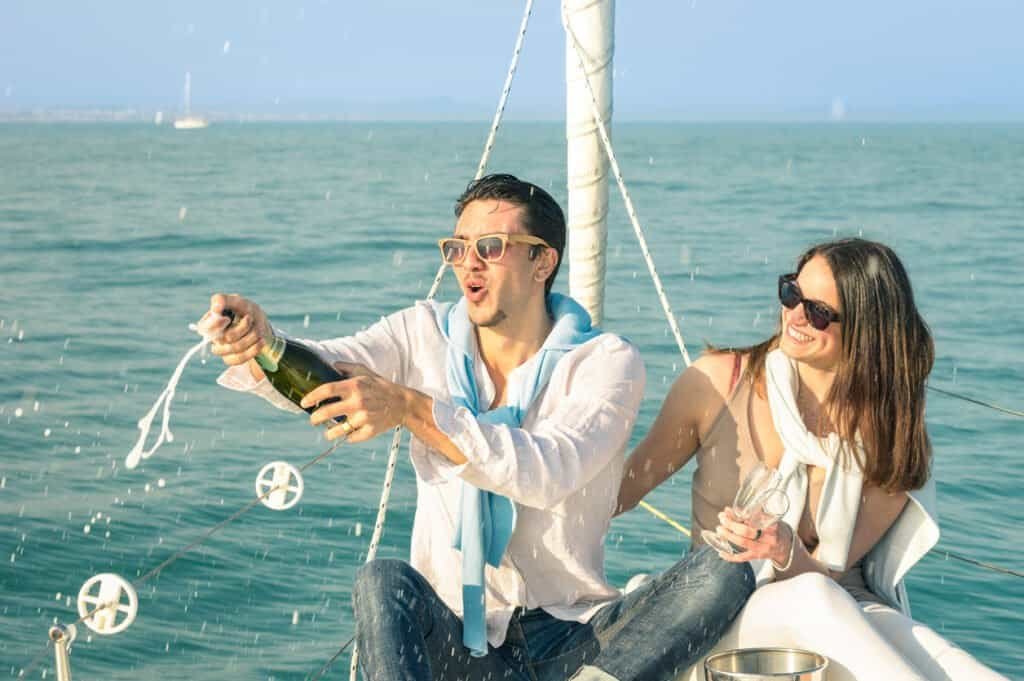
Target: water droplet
(359, 529)
(87, 529)
(305, 322)
(18, 412)
(685, 255)
(161, 483)
(182, 212)
(46, 433)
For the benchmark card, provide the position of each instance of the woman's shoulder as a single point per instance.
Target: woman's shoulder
(720, 370)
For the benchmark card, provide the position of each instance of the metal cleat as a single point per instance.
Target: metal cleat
(62, 637)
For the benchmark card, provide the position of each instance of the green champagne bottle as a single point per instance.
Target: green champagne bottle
(293, 369)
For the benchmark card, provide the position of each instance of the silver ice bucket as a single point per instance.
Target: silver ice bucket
(765, 664)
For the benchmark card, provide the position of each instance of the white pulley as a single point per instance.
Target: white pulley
(100, 603)
(286, 484)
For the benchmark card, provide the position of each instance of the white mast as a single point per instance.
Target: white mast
(188, 94)
(187, 121)
(593, 24)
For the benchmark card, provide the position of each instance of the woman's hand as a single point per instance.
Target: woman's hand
(772, 543)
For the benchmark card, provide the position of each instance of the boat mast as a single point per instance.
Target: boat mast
(188, 94)
(593, 24)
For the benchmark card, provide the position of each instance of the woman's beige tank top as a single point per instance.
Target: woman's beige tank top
(726, 454)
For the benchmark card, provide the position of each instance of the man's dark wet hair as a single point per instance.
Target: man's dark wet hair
(542, 216)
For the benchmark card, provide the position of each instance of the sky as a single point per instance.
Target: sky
(674, 60)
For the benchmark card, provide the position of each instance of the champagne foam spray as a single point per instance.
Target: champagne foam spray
(210, 327)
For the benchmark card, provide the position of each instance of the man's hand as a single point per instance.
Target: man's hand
(246, 337)
(369, 404)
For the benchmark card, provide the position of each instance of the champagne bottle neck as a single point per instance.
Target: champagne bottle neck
(271, 354)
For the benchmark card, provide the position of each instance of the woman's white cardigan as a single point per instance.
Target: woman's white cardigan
(914, 533)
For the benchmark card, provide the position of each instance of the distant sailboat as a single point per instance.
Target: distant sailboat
(188, 121)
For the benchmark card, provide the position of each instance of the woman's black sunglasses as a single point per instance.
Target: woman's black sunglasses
(818, 314)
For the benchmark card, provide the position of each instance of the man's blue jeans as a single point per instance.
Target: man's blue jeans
(406, 633)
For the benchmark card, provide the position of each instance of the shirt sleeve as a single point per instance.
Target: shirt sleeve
(239, 378)
(383, 348)
(594, 414)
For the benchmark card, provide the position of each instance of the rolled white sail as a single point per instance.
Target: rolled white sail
(592, 23)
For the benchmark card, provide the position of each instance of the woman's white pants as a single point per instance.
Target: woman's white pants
(863, 641)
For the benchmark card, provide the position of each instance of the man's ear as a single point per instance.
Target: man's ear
(545, 264)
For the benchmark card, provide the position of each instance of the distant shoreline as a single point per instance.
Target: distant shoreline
(133, 117)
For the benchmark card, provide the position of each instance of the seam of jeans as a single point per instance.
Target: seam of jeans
(561, 655)
(525, 647)
(565, 653)
(658, 586)
(527, 659)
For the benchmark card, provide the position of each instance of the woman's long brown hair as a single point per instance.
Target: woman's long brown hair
(887, 353)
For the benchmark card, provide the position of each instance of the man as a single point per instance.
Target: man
(520, 415)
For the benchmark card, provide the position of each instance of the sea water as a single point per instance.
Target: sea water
(113, 237)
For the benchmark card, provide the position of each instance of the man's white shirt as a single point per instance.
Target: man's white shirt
(561, 469)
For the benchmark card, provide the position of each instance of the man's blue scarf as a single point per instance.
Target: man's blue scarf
(486, 519)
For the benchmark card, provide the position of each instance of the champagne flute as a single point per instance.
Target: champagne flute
(759, 502)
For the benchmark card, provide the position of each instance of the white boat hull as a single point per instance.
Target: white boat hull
(190, 123)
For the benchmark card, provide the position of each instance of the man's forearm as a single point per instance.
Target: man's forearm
(419, 419)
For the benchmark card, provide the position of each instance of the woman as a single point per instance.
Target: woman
(835, 401)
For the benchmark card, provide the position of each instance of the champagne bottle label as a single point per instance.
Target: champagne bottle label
(294, 369)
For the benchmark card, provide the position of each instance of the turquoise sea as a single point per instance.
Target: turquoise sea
(112, 238)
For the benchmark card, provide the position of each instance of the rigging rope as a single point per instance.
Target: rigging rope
(973, 400)
(638, 230)
(505, 90)
(327, 665)
(396, 440)
(630, 209)
(224, 523)
(139, 581)
(935, 551)
(661, 516)
(606, 143)
(610, 152)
